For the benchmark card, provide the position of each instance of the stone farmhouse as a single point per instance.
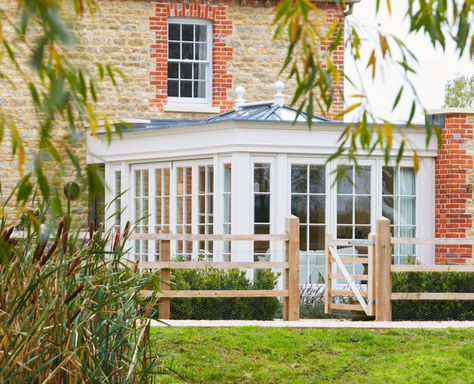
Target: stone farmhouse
(206, 155)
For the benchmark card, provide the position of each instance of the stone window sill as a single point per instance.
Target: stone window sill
(191, 108)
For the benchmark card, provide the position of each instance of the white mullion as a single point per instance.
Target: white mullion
(173, 222)
(152, 212)
(194, 206)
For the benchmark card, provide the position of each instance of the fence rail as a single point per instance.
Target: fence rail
(290, 267)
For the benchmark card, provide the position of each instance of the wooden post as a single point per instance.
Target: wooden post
(383, 281)
(291, 304)
(165, 275)
(328, 281)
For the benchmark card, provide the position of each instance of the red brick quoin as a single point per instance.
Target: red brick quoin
(452, 187)
(222, 27)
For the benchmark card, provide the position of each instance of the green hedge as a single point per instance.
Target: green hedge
(267, 308)
(433, 282)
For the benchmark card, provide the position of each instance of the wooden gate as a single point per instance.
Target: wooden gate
(350, 288)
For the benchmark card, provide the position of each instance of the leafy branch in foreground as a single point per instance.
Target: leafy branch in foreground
(63, 93)
(316, 74)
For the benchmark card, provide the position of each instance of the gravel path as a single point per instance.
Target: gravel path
(319, 323)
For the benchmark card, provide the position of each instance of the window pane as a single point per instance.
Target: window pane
(345, 186)
(387, 180)
(317, 209)
(227, 210)
(227, 177)
(407, 181)
(158, 180)
(299, 178)
(199, 71)
(407, 211)
(303, 237)
(362, 232)
(186, 71)
(299, 207)
(173, 88)
(187, 51)
(387, 208)
(262, 208)
(200, 32)
(262, 178)
(188, 32)
(200, 89)
(362, 210)
(317, 179)
(344, 232)
(344, 210)
(362, 180)
(174, 32)
(173, 50)
(202, 179)
(186, 89)
(173, 69)
(200, 51)
(316, 237)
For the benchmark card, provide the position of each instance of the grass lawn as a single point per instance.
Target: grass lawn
(268, 355)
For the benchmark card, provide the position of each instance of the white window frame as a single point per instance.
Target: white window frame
(208, 62)
(308, 161)
(272, 161)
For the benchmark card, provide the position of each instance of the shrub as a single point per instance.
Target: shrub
(433, 309)
(69, 309)
(223, 308)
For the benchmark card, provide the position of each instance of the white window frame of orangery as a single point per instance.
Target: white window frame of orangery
(242, 195)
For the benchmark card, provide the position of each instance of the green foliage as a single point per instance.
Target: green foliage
(69, 308)
(317, 75)
(222, 308)
(459, 92)
(64, 94)
(433, 282)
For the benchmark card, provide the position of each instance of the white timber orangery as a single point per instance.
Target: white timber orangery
(247, 170)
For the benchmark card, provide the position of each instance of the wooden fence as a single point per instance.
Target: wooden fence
(384, 269)
(290, 293)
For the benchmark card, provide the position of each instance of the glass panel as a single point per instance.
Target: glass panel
(187, 51)
(167, 181)
(173, 69)
(188, 32)
(210, 179)
(200, 32)
(180, 181)
(407, 181)
(387, 208)
(387, 180)
(174, 32)
(262, 178)
(345, 186)
(344, 232)
(299, 207)
(262, 209)
(189, 180)
(189, 209)
(299, 178)
(227, 177)
(202, 209)
(202, 179)
(210, 202)
(227, 209)
(173, 88)
(344, 210)
(199, 71)
(362, 181)
(407, 211)
(316, 237)
(186, 71)
(180, 211)
(186, 89)
(362, 232)
(200, 51)
(317, 209)
(158, 182)
(173, 51)
(317, 179)
(199, 89)
(303, 237)
(362, 210)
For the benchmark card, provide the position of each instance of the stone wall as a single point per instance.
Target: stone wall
(131, 35)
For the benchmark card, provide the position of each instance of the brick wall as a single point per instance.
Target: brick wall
(453, 188)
